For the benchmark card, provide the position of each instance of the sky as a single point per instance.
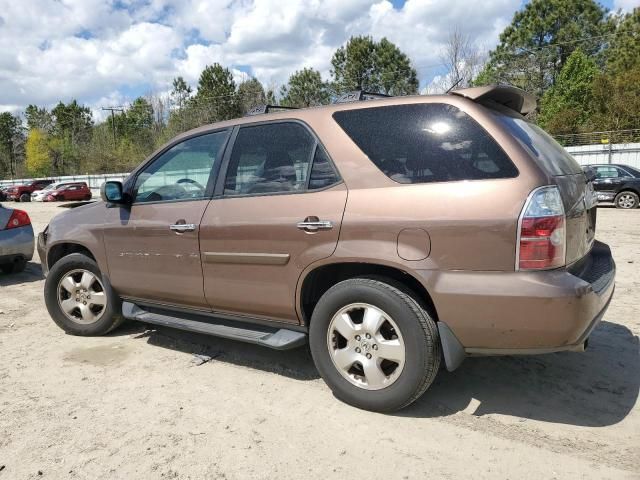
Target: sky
(107, 52)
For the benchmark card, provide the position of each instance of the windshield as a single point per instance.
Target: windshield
(549, 154)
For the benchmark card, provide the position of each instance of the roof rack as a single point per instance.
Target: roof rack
(358, 96)
(262, 109)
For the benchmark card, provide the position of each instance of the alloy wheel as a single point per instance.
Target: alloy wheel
(626, 201)
(81, 296)
(366, 346)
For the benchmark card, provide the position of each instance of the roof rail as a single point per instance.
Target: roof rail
(359, 95)
(262, 109)
(511, 97)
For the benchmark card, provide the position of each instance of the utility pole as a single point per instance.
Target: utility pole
(113, 120)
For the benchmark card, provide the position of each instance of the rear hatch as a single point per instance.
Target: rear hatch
(575, 188)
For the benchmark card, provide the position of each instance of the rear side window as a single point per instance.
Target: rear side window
(548, 153)
(426, 143)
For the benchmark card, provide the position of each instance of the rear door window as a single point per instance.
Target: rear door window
(426, 143)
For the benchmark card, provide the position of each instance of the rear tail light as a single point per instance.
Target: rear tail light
(19, 218)
(541, 231)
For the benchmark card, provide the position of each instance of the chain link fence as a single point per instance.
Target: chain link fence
(621, 146)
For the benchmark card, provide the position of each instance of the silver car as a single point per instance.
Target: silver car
(16, 239)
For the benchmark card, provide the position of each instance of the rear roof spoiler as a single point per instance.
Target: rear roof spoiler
(510, 97)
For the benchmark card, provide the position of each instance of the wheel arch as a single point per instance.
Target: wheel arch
(62, 249)
(319, 278)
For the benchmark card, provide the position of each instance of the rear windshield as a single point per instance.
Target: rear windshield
(424, 143)
(548, 153)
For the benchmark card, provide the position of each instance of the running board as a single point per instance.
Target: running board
(276, 338)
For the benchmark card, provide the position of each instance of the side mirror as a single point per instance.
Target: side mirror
(111, 192)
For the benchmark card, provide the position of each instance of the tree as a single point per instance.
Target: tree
(623, 53)
(566, 106)
(11, 135)
(216, 97)
(534, 48)
(181, 92)
(37, 153)
(250, 94)
(39, 117)
(461, 58)
(616, 101)
(305, 88)
(363, 64)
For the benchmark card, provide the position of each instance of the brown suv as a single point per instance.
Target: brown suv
(392, 234)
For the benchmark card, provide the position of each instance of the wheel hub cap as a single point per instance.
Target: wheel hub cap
(366, 346)
(81, 297)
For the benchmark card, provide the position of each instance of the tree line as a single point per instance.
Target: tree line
(581, 61)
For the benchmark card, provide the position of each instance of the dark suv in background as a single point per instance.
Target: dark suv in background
(390, 234)
(616, 183)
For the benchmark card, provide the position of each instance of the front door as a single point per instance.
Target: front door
(152, 246)
(280, 210)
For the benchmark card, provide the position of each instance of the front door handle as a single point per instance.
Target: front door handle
(313, 224)
(182, 227)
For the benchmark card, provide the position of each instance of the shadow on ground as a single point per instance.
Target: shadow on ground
(296, 364)
(32, 273)
(596, 388)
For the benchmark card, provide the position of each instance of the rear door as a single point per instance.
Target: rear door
(279, 209)
(152, 246)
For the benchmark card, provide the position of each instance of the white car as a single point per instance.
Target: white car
(39, 195)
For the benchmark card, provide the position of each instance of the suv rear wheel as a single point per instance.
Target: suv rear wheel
(374, 345)
(25, 197)
(78, 299)
(626, 200)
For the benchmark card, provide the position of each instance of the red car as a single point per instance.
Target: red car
(22, 193)
(69, 191)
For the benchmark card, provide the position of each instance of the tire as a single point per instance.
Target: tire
(60, 198)
(88, 318)
(17, 266)
(25, 197)
(627, 200)
(414, 330)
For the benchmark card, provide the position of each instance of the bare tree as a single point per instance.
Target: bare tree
(462, 59)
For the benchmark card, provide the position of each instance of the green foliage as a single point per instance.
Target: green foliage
(39, 118)
(363, 64)
(534, 48)
(11, 138)
(305, 88)
(616, 101)
(37, 162)
(250, 94)
(566, 106)
(623, 53)
(216, 97)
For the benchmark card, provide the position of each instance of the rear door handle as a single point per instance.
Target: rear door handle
(182, 227)
(315, 225)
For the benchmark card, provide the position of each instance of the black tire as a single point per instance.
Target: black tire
(17, 266)
(111, 317)
(418, 329)
(627, 200)
(25, 197)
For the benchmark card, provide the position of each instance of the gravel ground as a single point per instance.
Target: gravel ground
(134, 405)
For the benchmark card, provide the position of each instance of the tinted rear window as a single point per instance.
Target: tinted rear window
(548, 153)
(426, 143)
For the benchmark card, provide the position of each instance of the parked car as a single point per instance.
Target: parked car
(39, 195)
(16, 240)
(391, 234)
(617, 183)
(22, 193)
(69, 191)
(3, 193)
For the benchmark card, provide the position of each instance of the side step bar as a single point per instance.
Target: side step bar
(276, 338)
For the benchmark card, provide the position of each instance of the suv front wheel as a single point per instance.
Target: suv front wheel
(78, 299)
(374, 345)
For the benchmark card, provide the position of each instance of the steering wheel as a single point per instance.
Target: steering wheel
(190, 181)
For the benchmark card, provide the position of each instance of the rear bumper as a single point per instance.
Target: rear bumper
(16, 242)
(499, 313)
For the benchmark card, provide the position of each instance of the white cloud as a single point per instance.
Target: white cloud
(625, 5)
(101, 51)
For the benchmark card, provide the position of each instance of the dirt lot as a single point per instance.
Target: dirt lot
(133, 405)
